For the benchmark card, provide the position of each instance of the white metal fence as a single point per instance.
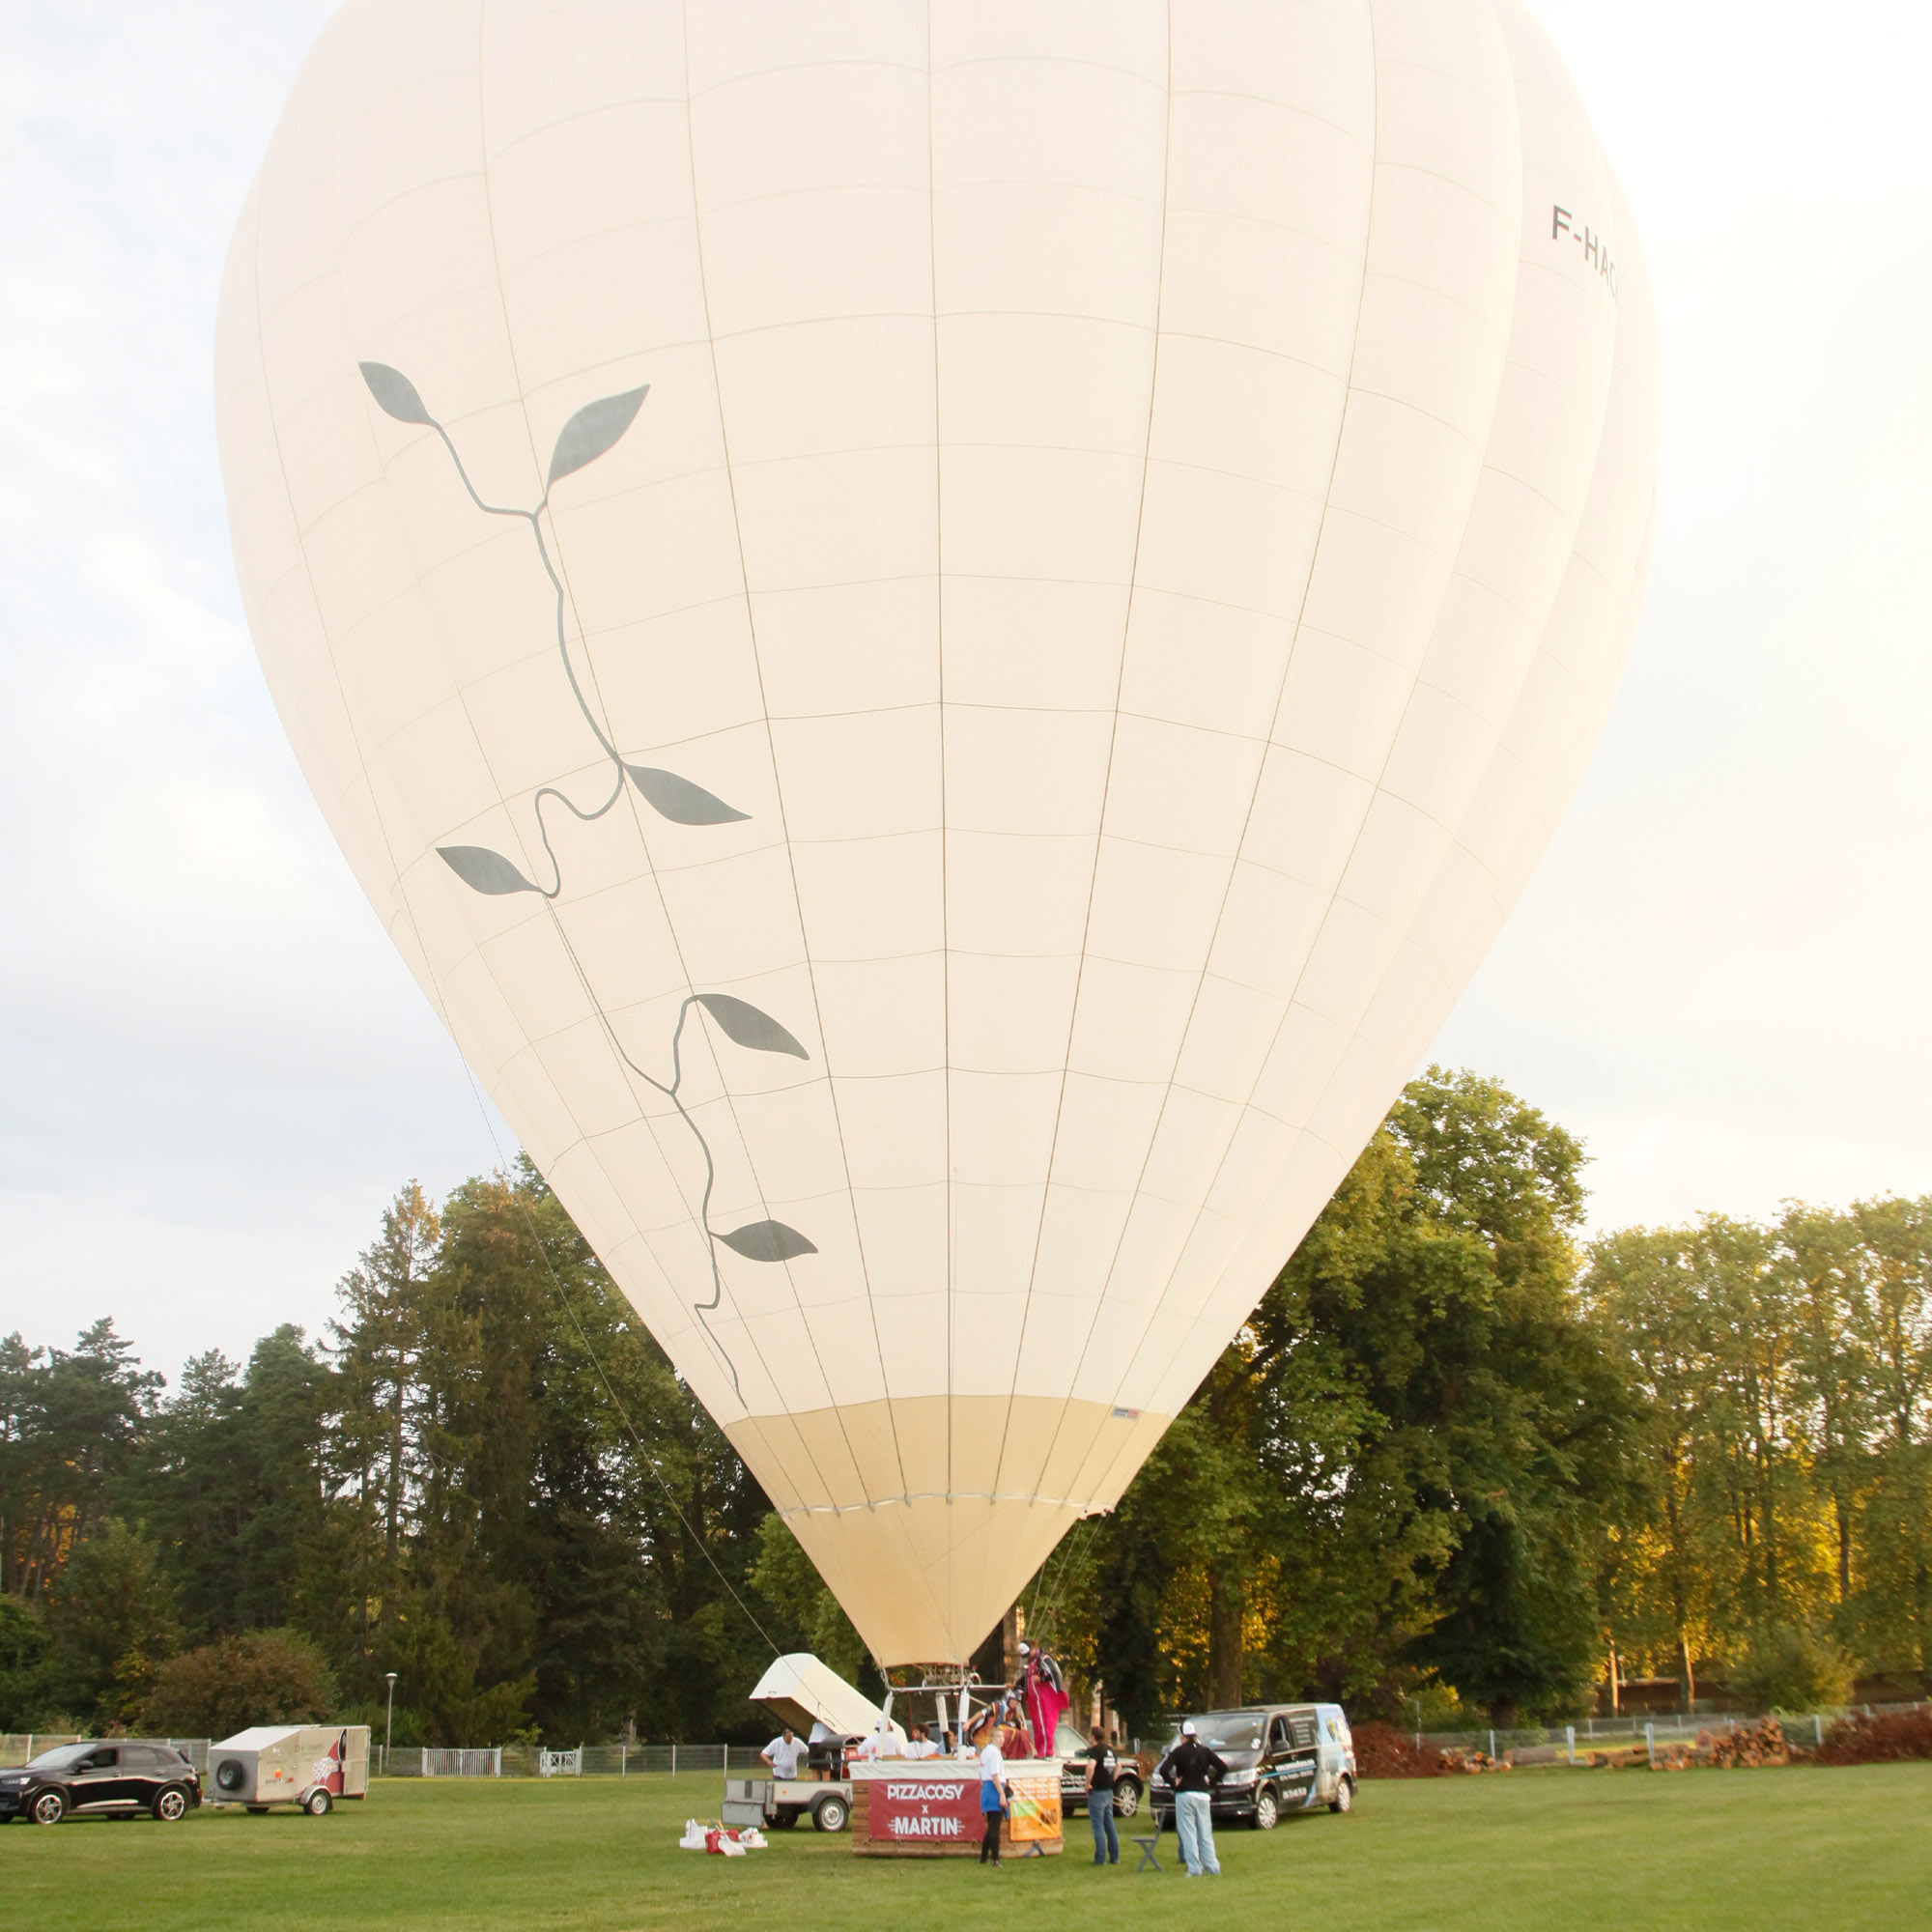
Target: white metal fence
(17, 1746)
(584, 1761)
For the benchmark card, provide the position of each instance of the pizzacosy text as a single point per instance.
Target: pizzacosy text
(946, 1808)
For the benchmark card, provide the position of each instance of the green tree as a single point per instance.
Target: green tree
(803, 1614)
(111, 1616)
(255, 1677)
(1396, 1459)
(26, 1652)
(1890, 1324)
(72, 1425)
(1652, 1573)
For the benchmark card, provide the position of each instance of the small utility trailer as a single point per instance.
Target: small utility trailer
(307, 1765)
(834, 1720)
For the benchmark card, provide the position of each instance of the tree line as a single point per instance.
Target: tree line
(1457, 1463)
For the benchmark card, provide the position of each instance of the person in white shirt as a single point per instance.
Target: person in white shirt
(994, 1792)
(920, 1744)
(783, 1754)
(881, 1743)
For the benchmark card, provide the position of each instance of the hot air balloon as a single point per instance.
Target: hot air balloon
(941, 632)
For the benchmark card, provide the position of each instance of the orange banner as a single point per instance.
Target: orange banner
(1035, 1803)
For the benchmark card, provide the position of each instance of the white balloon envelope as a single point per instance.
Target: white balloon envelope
(942, 631)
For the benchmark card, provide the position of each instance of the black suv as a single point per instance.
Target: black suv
(112, 1779)
(1068, 1745)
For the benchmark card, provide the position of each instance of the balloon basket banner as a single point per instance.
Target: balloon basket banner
(929, 1808)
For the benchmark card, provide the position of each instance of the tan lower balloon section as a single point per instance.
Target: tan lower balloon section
(966, 1495)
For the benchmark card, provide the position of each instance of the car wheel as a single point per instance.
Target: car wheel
(1127, 1797)
(317, 1803)
(1267, 1810)
(49, 1808)
(170, 1805)
(829, 1814)
(1344, 1799)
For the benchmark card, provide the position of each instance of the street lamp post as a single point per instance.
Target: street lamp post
(389, 1723)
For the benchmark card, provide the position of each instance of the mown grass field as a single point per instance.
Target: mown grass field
(1704, 1850)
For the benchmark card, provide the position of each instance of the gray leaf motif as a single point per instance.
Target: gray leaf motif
(748, 1025)
(486, 870)
(592, 430)
(395, 394)
(768, 1242)
(679, 799)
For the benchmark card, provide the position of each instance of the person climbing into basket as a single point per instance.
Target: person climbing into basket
(995, 1794)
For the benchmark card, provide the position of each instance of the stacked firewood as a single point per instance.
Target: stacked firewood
(1746, 1747)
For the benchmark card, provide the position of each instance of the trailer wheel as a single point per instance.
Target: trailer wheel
(170, 1805)
(1344, 1799)
(317, 1803)
(785, 1817)
(829, 1814)
(256, 1810)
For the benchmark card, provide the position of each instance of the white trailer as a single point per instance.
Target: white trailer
(826, 1710)
(307, 1765)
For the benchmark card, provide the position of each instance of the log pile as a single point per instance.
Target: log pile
(1747, 1748)
(1477, 1761)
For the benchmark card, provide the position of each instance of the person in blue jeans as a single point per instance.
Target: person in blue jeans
(1192, 1770)
(1101, 1760)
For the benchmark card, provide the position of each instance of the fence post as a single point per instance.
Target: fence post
(621, 1751)
(727, 1761)
(1570, 1736)
(1818, 1727)
(674, 1760)
(1650, 1741)
(1492, 1742)
(496, 1762)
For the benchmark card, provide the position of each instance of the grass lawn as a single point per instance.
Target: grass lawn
(1698, 1850)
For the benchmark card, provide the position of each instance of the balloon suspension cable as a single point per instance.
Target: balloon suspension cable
(1081, 1533)
(616, 1402)
(644, 1455)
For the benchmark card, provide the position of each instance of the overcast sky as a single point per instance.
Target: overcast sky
(213, 1069)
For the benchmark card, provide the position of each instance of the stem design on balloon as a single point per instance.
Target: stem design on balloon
(589, 433)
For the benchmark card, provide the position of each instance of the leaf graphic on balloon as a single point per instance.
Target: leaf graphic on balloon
(486, 870)
(768, 1242)
(679, 799)
(592, 430)
(748, 1025)
(395, 394)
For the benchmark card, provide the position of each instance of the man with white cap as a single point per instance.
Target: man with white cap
(1191, 1770)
